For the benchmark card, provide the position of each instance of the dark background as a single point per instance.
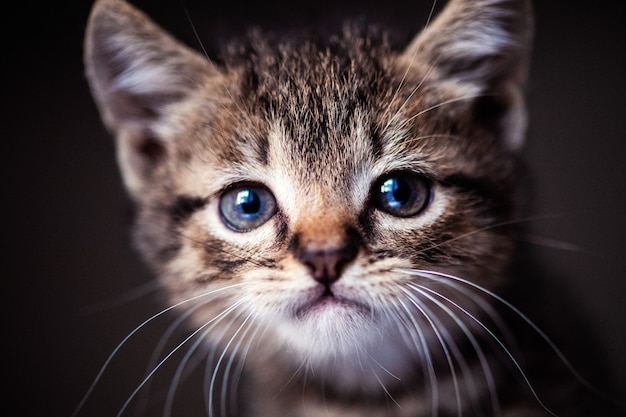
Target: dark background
(70, 278)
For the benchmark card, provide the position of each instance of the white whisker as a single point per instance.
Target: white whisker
(419, 339)
(427, 314)
(209, 60)
(425, 274)
(169, 355)
(169, 399)
(405, 74)
(388, 372)
(489, 311)
(219, 362)
(554, 244)
(227, 371)
(384, 388)
(210, 360)
(239, 370)
(431, 14)
(195, 32)
(440, 104)
(183, 364)
(437, 276)
(293, 376)
(132, 333)
(488, 228)
(418, 138)
(408, 98)
(484, 363)
(373, 371)
(156, 353)
(125, 298)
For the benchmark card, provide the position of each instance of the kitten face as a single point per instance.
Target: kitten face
(305, 187)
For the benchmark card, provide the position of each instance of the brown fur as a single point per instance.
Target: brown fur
(318, 123)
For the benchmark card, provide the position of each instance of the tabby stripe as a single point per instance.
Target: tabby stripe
(184, 206)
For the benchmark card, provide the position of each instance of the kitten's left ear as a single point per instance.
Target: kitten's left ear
(484, 45)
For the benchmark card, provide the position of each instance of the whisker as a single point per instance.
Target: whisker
(408, 98)
(425, 313)
(210, 361)
(489, 311)
(127, 297)
(382, 385)
(179, 371)
(205, 53)
(238, 372)
(488, 228)
(210, 367)
(431, 14)
(405, 74)
(416, 139)
(156, 353)
(100, 373)
(554, 244)
(169, 355)
(229, 365)
(419, 339)
(169, 399)
(174, 384)
(388, 372)
(425, 274)
(440, 104)
(373, 371)
(219, 362)
(484, 363)
(434, 275)
(193, 28)
(293, 376)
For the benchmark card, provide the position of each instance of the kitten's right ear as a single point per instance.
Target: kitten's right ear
(136, 70)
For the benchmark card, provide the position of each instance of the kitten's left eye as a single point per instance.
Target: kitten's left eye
(401, 194)
(246, 207)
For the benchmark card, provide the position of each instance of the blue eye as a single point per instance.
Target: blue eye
(244, 208)
(401, 194)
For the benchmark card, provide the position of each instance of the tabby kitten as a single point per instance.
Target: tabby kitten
(335, 217)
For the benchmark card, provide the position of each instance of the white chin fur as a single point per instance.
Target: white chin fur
(347, 346)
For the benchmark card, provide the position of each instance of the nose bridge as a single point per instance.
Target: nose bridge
(321, 231)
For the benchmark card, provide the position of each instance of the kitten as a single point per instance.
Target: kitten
(338, 215)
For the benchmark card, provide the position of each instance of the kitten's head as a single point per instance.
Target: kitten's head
(306, 186)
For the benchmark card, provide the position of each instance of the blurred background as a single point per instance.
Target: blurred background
(75, 288)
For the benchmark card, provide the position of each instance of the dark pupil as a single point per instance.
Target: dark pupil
(248, 202)
(397, 191)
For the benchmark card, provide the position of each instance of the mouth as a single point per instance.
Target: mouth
(330, 303)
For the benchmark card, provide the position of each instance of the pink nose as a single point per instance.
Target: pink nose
(327, 265)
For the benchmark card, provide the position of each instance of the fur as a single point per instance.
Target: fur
(405, 327)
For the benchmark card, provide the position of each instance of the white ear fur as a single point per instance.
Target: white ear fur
(136, 70)
(485, 45)
(133, 66)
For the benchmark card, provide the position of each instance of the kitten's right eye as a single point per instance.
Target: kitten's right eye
(246, 207)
